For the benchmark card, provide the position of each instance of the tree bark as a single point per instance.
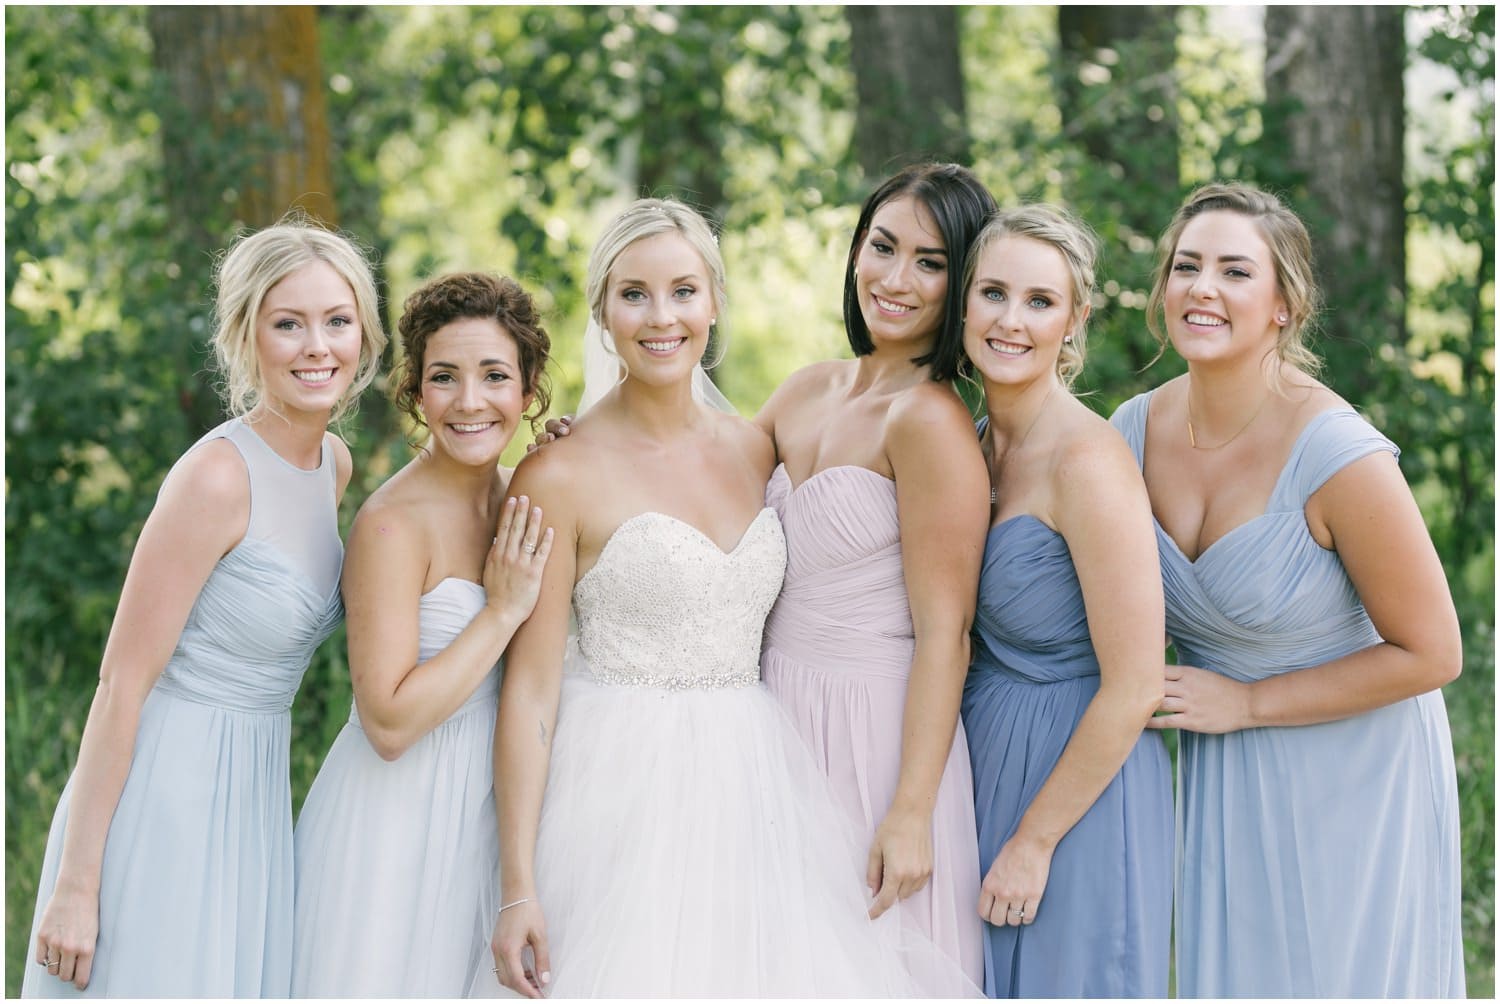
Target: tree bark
(1334, 112)
(251, 130)
(244, 140)
(909, 84)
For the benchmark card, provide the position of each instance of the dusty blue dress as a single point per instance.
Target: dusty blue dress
(1316, 860)
(195, 894)
(1105, 918)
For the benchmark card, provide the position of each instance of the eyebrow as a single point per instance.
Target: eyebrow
(1223, 257)
(681, 278)
(980, 280)
(440, 364)
(893, 239)
(299, 312)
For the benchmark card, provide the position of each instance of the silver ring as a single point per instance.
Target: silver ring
(54, 962)
(44, 964)
(1021, 913)
(529, 548)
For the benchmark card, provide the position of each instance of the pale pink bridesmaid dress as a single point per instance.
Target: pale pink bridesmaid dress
(837, 655)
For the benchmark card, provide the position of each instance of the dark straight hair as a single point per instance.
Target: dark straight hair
(959, 205)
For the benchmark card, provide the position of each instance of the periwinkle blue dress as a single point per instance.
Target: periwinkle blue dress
(1104, 922)
(1315, 860)
(195, 895)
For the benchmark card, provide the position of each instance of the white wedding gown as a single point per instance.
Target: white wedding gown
(689, 846)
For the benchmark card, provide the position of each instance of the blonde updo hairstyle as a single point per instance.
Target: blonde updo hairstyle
(1291, 256)
(245, 274)
(649, 218)
(1079, 246)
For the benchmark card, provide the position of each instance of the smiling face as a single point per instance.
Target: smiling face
(1018, 311)
(472, 390)
(659, 306)
(902, 275)
(1222, 300)
(307, 340)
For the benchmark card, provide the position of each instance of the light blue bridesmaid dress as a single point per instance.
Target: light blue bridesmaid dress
(1315, 860)
(398, 862)
(195, 894)
(1103, 926)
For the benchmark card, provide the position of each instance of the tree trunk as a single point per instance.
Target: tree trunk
(1334, 104)
(250, 131)
(245, 140)
(909, 85)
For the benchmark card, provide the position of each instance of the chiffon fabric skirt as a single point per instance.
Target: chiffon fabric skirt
(689, 847)
(195, 897)
(398, 864)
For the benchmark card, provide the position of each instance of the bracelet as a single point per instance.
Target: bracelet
(507, 906)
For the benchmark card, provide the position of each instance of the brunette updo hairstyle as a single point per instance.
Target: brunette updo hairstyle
(451, 298)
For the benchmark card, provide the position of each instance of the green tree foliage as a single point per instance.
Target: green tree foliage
(503, 137)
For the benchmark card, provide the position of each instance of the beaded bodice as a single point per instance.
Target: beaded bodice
(665, 607)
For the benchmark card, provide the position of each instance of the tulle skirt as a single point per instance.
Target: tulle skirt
(689, 847)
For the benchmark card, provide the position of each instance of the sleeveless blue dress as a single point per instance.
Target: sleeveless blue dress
(1104, 923)
(398, 862)
(1315, 860)
(195, 894)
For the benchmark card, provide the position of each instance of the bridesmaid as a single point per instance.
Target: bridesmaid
(1074, 801)
(168, 872)
(881, 493)
(1306, 602)
(397, 851)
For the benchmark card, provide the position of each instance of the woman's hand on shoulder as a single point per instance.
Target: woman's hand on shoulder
(517, 557)
(553, 429)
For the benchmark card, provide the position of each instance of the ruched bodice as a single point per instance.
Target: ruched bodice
(444, 611)
(278, 620)
(1266, 598)
(664, 607)
(1103, 927)
(1030, 621)
(1272, 816)
(845, 583)
(442, 614)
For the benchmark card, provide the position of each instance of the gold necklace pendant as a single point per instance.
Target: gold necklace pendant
(1193, 438)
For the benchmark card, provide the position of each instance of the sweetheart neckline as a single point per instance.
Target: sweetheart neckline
(794, 489)
(731, 552)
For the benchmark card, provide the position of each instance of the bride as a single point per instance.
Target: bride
(665, 832)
